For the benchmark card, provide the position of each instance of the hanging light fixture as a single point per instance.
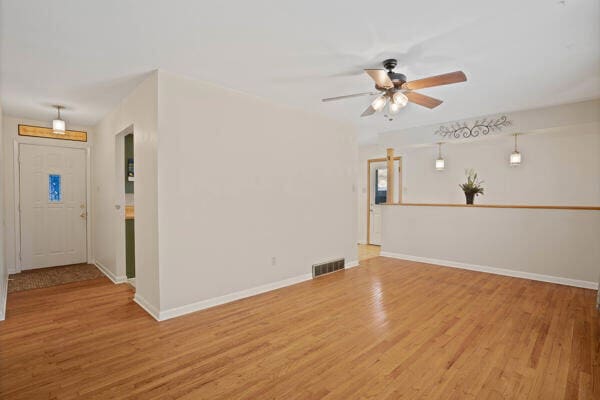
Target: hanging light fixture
(400, 99)
(58, 125)
(393, 108)
(440, 164)
(515, 156)
(379, 103)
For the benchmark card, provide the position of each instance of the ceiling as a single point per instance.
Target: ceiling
(89, 55)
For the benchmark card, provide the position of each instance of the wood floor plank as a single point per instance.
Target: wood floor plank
(390, 329)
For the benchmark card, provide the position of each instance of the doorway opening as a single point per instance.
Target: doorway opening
(125, 204)
(377, 181)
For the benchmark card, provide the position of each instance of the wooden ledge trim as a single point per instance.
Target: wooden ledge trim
(537, 207)
(48, 133)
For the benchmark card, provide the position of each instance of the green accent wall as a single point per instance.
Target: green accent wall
(130, 223)
(130, 248)
(128, 156)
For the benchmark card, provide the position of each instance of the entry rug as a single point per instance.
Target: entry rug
(53, 276)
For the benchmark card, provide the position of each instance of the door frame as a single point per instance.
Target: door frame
(119, 200)
(17, 194)
(369, 162)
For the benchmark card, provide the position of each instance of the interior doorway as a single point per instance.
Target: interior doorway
(377, 194)
(125, 204)
(52, 206)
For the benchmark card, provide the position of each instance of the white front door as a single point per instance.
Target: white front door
(53, 206)
(378, 196)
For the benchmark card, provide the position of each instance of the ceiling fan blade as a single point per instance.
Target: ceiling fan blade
(438, 80)
(349, 95)
(423, 100)
(369, 111)
(380, 77)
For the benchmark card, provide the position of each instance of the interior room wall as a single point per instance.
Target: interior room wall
(3, 268)
(552, 245)
(138, 111)
(561, 166)
(10, 136)
(250, 192)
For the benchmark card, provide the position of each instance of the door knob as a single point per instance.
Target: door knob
(83, 215)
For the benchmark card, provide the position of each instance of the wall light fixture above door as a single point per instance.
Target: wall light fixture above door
(58, 125)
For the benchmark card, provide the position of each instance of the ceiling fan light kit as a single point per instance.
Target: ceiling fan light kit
(394, 88)
(379, 103)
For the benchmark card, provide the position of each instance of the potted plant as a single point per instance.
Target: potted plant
(472, 187)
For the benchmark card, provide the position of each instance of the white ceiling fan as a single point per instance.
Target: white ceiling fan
(395, 91)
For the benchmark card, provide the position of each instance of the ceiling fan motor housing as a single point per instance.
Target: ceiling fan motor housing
(397, 78)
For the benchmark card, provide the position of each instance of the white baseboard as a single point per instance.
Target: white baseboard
(498, 271)
(149, 308)
(215, 301)
(351, 264)
(3, 296)
(109, 274)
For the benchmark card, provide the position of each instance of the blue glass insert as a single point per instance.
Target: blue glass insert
(54, 188)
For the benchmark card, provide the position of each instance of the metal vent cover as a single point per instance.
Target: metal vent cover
(327, 267)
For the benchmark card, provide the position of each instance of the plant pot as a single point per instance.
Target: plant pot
(470, 197)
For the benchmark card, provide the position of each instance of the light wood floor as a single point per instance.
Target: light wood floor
(389, 329)
(366, 251)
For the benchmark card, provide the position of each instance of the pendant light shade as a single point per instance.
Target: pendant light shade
(379, 103)
(58, 125)
(515, 156)
(440, 163)
(400, 99)
(394, 108)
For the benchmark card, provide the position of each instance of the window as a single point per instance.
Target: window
(54, 188)
(380, 186)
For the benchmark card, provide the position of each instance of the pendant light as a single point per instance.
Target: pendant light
(440, 164)
(58, 125)
(400, 99)
(515, 156)
(379, 103)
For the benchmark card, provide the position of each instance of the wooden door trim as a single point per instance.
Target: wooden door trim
(369, 162)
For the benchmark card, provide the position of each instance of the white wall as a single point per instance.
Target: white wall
(3, 268)
(561, 116)
(561, 161)
(242, 181)
(559, 244)
(137, 110)
(561, 166)
(10, 136)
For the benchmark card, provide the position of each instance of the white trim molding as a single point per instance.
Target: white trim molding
(497, 271)
(215, 301)
(3, 296)
(149, 308)
(114, 278)
(351, 264)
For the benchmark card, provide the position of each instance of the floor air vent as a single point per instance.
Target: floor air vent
(327, 267)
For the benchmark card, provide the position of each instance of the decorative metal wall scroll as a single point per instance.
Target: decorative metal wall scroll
(458, 130)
